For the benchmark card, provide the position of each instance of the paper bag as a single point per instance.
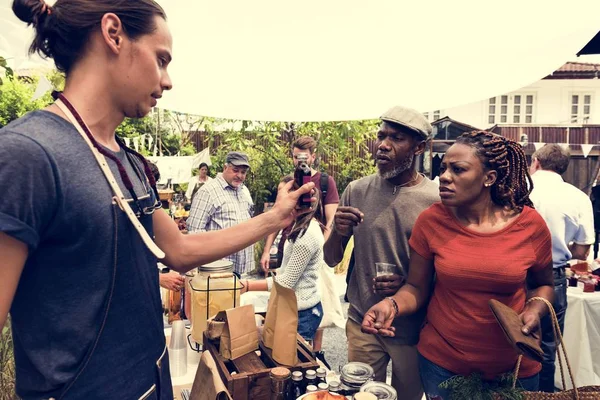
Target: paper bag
(282, 337)
(239, 336)
(511, 325)
(207, 383)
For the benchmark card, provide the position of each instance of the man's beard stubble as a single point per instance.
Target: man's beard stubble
(398, 169)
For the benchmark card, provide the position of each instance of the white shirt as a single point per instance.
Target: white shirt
(192, 184)
(300, 266)
(567, 212)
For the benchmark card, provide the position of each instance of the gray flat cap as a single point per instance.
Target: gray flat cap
(238, 159)
(409, 118)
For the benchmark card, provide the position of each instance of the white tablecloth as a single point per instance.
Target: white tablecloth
(582, 338)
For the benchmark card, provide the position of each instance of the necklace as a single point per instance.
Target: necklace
(396, 187)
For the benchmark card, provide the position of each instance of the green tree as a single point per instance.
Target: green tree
(16, 98)
(342, 148)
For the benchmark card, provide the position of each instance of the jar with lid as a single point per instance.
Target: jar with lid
(280, 378)
(187, 296)
(354, 375)
(214, 288)
(381, 390)
(323, 386)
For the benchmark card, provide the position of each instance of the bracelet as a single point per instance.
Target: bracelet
(396, 309)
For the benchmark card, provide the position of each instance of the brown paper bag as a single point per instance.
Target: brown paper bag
(282, 337)
(240, 335)
(207, 383)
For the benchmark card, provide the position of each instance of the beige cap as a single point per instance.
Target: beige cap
(409, 118)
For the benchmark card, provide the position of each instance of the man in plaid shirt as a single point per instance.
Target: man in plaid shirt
(224, 202)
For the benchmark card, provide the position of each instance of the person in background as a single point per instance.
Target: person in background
(197, 181)
(306, 146)
(225, 202)
(569, 215)
(483, 241)
(79, 274)
(302, 258)
(380, 211)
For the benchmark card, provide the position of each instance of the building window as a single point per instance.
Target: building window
(581, 107)
(515, 109)
(432, 116)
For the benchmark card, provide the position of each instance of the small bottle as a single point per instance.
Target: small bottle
(311, 389)
(335, 387)
(280, 378)
(321, 375)
(323, 386)
(310, 378)
(273, 256)
(297, 388)
(302, 176)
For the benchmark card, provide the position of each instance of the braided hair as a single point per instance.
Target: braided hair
(513, 183)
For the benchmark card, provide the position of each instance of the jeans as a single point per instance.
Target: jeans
(548, 344)
(432, 375)
(309, 321)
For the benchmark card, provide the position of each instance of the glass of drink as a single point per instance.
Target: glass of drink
(384, 269)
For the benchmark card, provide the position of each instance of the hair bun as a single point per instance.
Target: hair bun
(30, 11)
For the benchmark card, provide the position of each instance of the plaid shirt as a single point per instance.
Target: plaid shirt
(217, 206)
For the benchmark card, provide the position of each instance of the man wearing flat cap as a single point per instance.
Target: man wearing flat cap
(379, 211)
(224, 202)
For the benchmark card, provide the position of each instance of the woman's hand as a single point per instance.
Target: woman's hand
(378, 320)
(531, 323)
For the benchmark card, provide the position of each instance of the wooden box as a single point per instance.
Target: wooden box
(247, 377)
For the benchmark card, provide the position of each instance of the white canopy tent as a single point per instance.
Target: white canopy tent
(349, 59)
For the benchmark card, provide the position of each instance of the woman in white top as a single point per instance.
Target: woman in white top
(197, 181)
(302, 258)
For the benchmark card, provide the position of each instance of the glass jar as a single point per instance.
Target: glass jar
(187, 302)
(214, 288)
(354, 375)
(381, 390)
(280, 379)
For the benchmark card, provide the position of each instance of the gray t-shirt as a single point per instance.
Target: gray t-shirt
(57, 201)
(383, 237)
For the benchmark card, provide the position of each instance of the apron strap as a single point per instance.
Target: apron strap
(119, 197)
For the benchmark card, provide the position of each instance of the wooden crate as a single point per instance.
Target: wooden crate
(247, 377)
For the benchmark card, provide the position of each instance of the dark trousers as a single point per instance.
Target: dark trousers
(548, 343)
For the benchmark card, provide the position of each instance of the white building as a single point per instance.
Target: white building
(569, 96)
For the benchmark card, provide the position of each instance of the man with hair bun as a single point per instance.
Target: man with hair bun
(81, 226)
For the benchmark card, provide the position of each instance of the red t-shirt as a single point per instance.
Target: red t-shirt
(461, 333)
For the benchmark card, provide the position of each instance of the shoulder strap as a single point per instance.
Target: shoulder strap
(118, 197)
(324, 183)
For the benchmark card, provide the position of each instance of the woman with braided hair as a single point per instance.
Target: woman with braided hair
(483, 241)
(81, 227)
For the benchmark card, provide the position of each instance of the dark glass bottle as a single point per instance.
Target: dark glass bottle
(321, 375)
(302, 176)
(311, 389)
(297, 388)
(310, 378)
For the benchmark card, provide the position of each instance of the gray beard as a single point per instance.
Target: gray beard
(398, 169)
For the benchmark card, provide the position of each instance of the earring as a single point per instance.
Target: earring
(487, 185)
